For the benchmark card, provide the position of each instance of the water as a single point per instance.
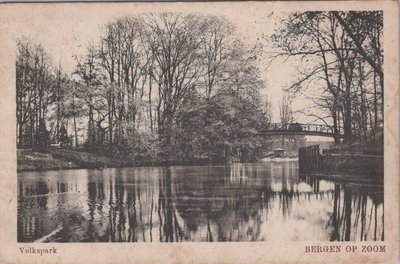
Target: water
(239, 202)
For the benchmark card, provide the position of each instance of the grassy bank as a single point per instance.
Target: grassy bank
(28, 160)
(57, 159)
(368, 165)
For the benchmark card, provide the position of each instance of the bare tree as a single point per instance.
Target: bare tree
(340, 49)
(268, 109)
(33, 86)
(174, 42)
(285, 110)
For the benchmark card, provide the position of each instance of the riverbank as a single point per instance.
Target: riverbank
(60, 159)
(358, 165)
(368, 165)
(28, 160)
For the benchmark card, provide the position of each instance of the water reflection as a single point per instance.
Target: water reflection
(239, 202)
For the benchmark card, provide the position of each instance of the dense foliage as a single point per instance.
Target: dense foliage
(166, 87)
(185, 87)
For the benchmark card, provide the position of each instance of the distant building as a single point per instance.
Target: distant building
(289, 143)
(322, 144)
(279, 152)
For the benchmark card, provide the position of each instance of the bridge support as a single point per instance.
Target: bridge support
(309, 158)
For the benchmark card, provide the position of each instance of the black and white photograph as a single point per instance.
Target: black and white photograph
(201, 126)
(242, 132)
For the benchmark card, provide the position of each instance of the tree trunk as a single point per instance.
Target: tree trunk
(20, 135)
(347, 120)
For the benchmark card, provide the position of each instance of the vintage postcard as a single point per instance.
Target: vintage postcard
(199, 132)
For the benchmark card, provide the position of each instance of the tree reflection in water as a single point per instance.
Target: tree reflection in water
(239, 202)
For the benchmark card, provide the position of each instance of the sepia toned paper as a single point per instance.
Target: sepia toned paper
(68, 28)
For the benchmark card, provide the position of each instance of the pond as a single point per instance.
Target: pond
(266, 201)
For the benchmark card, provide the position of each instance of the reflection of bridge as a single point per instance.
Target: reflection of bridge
(299, 129)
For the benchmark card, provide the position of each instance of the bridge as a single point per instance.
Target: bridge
(300, 129)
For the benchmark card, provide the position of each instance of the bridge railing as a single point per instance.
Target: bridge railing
(296, 127)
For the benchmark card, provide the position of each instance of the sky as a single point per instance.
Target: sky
(67, 32)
